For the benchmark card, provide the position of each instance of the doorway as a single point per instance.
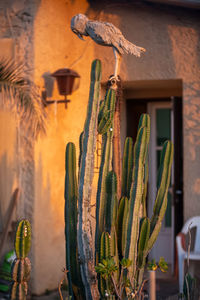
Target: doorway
(166, 123)
(161, 115)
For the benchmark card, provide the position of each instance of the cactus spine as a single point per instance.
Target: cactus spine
(21, 266)
(123, 230)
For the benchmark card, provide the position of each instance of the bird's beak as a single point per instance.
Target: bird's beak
(81, 37)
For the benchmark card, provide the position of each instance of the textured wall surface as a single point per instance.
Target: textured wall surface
(16, 37)
(55, 47)
(43, 39)
(171, 38)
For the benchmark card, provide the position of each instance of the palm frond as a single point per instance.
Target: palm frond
(21, 96)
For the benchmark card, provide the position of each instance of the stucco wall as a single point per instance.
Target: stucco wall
(17, 148)
(171, 38)
(55, 47)
(42, 37)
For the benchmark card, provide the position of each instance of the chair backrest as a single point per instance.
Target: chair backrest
(191, 223)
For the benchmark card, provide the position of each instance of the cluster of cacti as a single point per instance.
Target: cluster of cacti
(21, 266)
(124, 234)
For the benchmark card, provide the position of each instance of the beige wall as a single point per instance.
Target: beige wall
(171, 40)
(8, 152)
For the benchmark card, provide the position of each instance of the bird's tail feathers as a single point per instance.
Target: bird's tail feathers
(130, 48)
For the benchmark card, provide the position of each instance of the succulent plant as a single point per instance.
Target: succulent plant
(21, 266)
(123, 232)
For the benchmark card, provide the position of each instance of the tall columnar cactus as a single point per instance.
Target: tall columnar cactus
(105, 127)
(127, 167)
(21, 266)
(71, 215)
(136, 198)
(124, 232)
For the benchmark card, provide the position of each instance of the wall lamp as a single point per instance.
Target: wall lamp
(65, 81)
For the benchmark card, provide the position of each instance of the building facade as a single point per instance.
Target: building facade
(165, 82)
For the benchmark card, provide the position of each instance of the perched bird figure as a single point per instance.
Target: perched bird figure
(105, 34)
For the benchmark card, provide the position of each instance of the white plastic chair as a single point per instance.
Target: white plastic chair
(182, 253)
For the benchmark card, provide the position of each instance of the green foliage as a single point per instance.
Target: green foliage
(126, 263)
(106, 268)
(20, 95)
(189, 287)
(124, 234)
(21, 266)
(162, 265)
(152, 265)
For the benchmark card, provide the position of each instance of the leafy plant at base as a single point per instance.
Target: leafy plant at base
(124, 234)
(189, 287)
(162, 265)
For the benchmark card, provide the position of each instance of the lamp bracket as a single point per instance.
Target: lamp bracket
(47, 102)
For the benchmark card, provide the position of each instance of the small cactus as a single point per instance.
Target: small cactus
(23, 239)
(21, 266)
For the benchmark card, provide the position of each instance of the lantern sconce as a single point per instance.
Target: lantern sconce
(65, 81)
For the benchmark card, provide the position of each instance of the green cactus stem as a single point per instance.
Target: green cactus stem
(80, 148)
(111, 216)
(140, 152)
(142, 248)
(143, 240)
(19, 291)
(111, 201)
(145, 121)
(105, 127)
(21, 270)
(71, 199)
(105, 253)
(161, 199)
(105, 167)
(87, 268)
(122, 218)
(127, 167)
(123, 231)
(106, 112)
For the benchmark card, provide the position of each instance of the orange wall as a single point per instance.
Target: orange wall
(155, 28)
(56, 47)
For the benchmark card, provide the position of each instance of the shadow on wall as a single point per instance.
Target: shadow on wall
(6, 190)
(48, 83)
